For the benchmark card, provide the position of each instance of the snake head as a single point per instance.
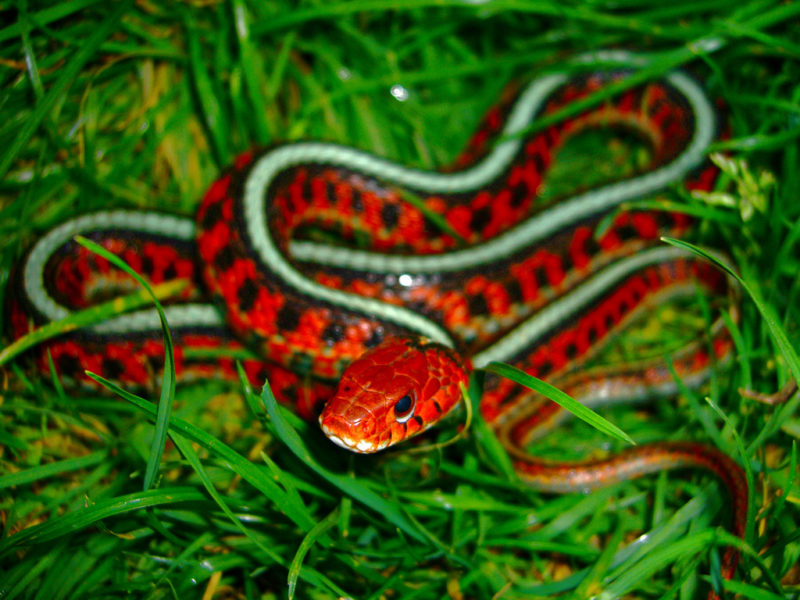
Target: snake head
(393, 392)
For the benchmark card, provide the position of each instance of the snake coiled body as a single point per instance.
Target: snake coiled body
(408, 312)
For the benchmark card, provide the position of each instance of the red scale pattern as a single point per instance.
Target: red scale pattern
(562, 352)
(259, 321)
(259, 309)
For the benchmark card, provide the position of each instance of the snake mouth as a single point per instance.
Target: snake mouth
(359, 446)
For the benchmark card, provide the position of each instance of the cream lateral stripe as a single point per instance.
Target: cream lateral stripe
(137, 321)
(271, 164)
(268, 166)
(570, 306)
(535, 229)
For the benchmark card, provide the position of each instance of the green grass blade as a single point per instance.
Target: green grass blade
(95, 512)
(191, 456)
(351, 487)
(308, 541)
(92, 315)
(746, 590)
(775, 327)
(562, 399)
(58, 89)
(484, 434)
(168, 377)
(254, 475)
(215, 120)
(47, 16)
(55, 468)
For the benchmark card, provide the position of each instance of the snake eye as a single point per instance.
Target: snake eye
(404, 408)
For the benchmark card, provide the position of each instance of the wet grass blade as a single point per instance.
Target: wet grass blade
(66, 76)
(168, 377)
(351, 487)
(90, 316)
(308, 541)
(97, 511)
(562, 399)
(254, 475)
(775, 327)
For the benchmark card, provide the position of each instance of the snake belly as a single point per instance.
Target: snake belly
(509, 278)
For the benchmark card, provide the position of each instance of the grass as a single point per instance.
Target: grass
(123, 104)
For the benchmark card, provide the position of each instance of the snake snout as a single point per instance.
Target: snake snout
(353, 429)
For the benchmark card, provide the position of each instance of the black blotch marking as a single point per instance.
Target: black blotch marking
(544, 369)
(665, 219)
(418, 306)
(212, 215)
(170, 272)
(591, 247)
(69, 365)
(477, 305)
(437, 406)
(609, 320)
(375, 338)
(247, 294)
(518, 194)
(156, 361)
(330, 190)
(113, 368)
(288, 318)
(571, 351)
(390, 213)
(147, 265)
(538, 159)
(307, 192)
(541, 278)
(627, 232)
(333, 333)
(418, 419)
(224, 259)
(514, 291)
(358, 203)
(480, 218)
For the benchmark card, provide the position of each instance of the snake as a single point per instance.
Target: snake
(375, 289)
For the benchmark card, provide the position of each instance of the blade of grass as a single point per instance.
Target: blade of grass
(55, 468)
(90, 316)
(254, 475)
(310, 575)
(562, 399)
(308, 541)
(47, 16)
(351, 487)
(168, 377)
(93, 513)
(776, 329)
(66, 77)
(497, 455)
(213, 114)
